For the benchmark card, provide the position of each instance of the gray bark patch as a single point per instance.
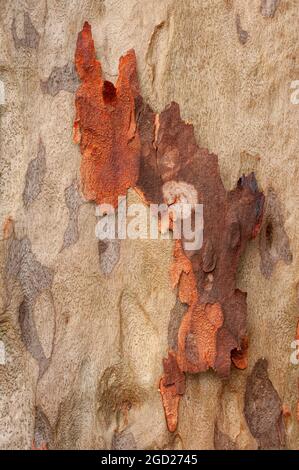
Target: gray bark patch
(109, 253)
(242, 34)
(43, 433)
(269, 7)
(35, 176)
(22, 264)
(61, 78)
(222, 441)
(73, 202)
(123, 441)
(31, 37)
(34, 278)
(263, 409)
(274, 243)
(30, 337)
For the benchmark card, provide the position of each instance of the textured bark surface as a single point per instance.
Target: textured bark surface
(86, 325)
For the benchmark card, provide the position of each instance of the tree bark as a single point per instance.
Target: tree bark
(85, 325)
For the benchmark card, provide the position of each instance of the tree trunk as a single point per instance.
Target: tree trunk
(85, 324)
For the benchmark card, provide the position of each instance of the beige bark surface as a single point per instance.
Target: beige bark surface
(84, 332)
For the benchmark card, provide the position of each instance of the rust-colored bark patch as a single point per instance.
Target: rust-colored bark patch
(159, 156)
(173, 168)
(43, 446)
(172, 387)
(240, 356)
(105, 124)
(8, 228)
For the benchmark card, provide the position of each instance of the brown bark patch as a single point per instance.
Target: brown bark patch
(263, 409)
(172, 387)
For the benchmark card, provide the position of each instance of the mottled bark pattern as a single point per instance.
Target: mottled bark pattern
(215, 322)
(172, 168)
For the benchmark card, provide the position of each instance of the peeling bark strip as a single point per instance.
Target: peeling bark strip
(163, 161)
(214, 327)
(105, 124)
(263, 409)
(172, 387)
(240, 356)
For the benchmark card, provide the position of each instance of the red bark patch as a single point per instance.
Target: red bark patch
(172, 387)
(105, 124)
(173, 166)
(240, 356)
(159, 156)
(8, 228)
(43, 446)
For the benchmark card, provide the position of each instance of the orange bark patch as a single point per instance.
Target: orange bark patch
(170, 400)
(8, 227)
(172, 387)
(182, 275)
(43, 446)
(105, 125)
(197, 341)
(240, 356)
(286, 411)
